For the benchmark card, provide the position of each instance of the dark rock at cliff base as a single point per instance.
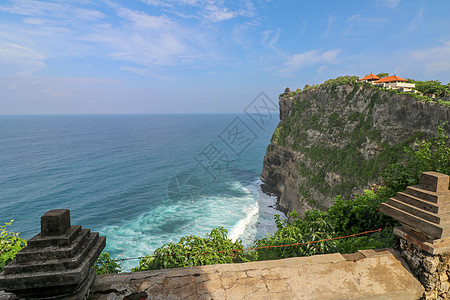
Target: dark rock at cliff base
(337, 139)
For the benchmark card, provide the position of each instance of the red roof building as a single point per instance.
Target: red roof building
(394, 78)
(370, 77)
(395, 83)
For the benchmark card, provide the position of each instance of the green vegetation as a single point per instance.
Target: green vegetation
(106, 265)
(381, 75)
(342, 219)
(426, 88)
(10, 244)
(345, 217)
(431, 87)
(432, 154)
(341, 80)
(195, 251)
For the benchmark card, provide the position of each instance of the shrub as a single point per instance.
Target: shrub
(429, 155)
(343, 218)
(10, 244)
(106, 265)
(194, 251)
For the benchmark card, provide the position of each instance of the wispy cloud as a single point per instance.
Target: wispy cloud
(308, 59)
(388, 3)
(331, 20)
(270, 37)
(207, 10)
(416, 21)
(433, 60)
(140, 38)
(217, 13)
(142, 21)
(21, 59)
(52, 9)
(360, 25)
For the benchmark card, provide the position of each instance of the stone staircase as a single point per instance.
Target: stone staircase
(423, 210)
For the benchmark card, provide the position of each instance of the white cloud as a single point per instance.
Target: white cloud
(271, 38)
(389, 3)
(331, 20)
(157, 3)
(145, 39)
(417, 20)
(308, 59)
(147, 72)
(434, 60)
(34, 21)
(215, 13)
(359, 25)
(211, 10)
(59, 10)
(20, 59)
(143, 21)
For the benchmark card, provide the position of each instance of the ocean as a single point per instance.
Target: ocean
(140, 180)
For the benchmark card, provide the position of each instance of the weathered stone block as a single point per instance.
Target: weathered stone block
(434, 182)
(58, 261)
(55, 222)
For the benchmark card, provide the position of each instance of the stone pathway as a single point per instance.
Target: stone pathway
(368, 274)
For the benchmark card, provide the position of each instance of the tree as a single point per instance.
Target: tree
(381, 75)
(431, 87)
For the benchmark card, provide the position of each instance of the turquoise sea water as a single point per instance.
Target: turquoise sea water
(140, 180)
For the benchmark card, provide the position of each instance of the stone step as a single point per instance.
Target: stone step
(433, 197)
(426, 215)
(54, 265)
(49, 279)
(421, 225)
(53, 252)
(39, 241)
(417, 202)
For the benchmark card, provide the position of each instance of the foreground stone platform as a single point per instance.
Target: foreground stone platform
(366, 274)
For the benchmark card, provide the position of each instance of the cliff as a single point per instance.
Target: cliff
(336, 139)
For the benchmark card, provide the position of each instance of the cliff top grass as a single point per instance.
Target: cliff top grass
(428, 87)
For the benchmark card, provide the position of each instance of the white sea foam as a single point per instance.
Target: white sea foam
(247, 216)
(243, 224)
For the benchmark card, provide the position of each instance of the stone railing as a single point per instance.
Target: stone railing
(424, 235)
(56, 263)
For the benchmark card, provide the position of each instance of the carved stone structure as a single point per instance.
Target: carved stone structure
(424, 213)
(57, 262)
(424, 237)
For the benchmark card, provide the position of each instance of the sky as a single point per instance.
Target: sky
(205, 56)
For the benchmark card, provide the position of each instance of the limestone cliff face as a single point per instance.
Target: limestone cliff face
(336, 140)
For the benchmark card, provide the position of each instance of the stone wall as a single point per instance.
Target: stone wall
(433, 271)
(366, 274)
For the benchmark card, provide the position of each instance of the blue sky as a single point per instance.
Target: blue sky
(205, 56)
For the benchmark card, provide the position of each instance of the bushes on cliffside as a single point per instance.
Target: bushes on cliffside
(195, 251)
(10, 244)
(345, 217)
(430, 155)
(105, 264)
